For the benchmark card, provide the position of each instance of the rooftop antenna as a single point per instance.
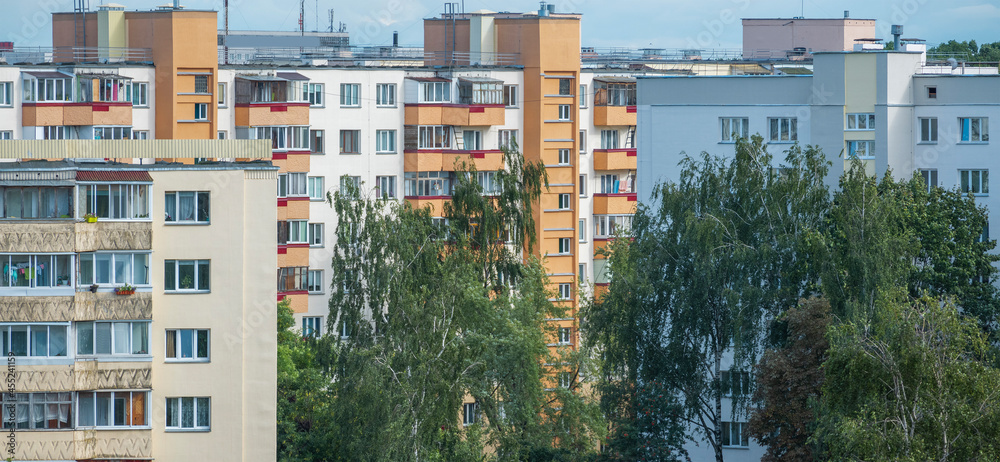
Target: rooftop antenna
(225, 35)
(302, 17)
(331, 19)
(80, 9)
(316, 15)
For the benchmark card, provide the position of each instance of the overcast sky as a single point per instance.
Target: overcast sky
(625, 23)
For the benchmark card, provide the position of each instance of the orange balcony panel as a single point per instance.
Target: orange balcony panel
(297, 208)
(436, 203)
(265, 114)
(600, 290)
(614, 204)
(614, 159)
(449, 161)
(614, 115)
(599, 245)
(299, 302)
(454, 114)
(97, 114)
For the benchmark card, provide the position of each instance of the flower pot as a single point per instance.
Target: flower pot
(91, 219)
(124, 292)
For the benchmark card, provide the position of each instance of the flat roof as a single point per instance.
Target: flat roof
(110, 166)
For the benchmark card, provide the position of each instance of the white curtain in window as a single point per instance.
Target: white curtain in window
(186, 200)
(121, 338)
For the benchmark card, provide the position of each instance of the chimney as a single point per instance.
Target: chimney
(897, 30)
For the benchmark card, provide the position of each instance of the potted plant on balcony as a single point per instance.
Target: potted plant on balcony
(125, 290)
(90, 218)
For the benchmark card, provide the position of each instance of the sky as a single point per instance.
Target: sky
(703, 24)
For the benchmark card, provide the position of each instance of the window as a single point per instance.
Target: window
(472, 140)
(581, 272)
(37, 411)
(6, 93)
(488, 183)
(115, 201)
(114, 338)
(582, 229)
(609, 139)
(610, 184)
(565, 291)
(317, 189)
(385, 187)
(186, 275)
(583, 142)
(36, 202)
(6, 135)
(976, 182)
(565, 245)
(187, 345)
(314, 94)
(565, 86)
(350, 185)
(428, 183)
(436, 92)
(564, 112)
(564, 201)
(112, 133)
(932, 92)
(188, 414)
(565, 335)
(734, 128)
(113, 268)
(112, 409)
(930, 177)
(385, 141)
(33, 340)
(316, 141)
(564, 157)
(315, 284)
(861, 149)
(186, 207)
(47, 89)
(350, 141)
(292, 184)
(928, 130)
(614, 93)
(201, 111)
(975, 129)
(565, 379)
(510, 95)
(350, 95)
(108, 89)
(433, 137)
(316, 234)
(284, 138)
(480, 92)
(385, 94)
(220, 94)
(583, 185)
(507, 139)
(470, 413)
(862, 121)
(293, 279)
(221, 134)
(606, 226)
(298, 231)
(985, 235)
(783, 129)
(583, 96)
(140, 94)
(201, 84)
(311, 326)
(735, 434)
(735, 383)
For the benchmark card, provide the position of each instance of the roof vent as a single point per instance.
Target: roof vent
(543, 10)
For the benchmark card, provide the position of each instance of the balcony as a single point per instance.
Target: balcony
(614, 115)
(615, 159)
(263, 99)
(114, 235)
(84, 445)
(614, 101)
(66, 113)
(265, 114)
(454, 114)
(614, 204)
(446, 160)
(436, 203)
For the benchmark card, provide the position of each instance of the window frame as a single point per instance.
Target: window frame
(314, 94)
(742, 131)
(94, 352)
(857, 119)
(470, 414)
(384, 138)
(350, 95)
(965, 130)
(967, 186)
(792, 129)
(564, 157)
(353, 137)
(727, 435)
(312, 325)
(112, 265)
(930, 177)
(440, 92)
(390, 184)
(565, 246)
(197, 207)
(565, 201)
(7, 348)
(178, 346)
(583, 185)
(178, 413)
(385, 95)
(114, 396)
(931, 130)
(510, 96)
(565, 291)
(7, 94)
(220, 98)
(314, 146)
(11, 402)
(128, 193)
(583, 96)
(315, 234)
(583, 142)
(311, 280)
(853, 145)
(196, 289)
(201, 83)
(582, 230)
(565, 113)
(316, 188)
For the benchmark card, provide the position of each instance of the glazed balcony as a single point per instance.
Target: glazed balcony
(264, 99)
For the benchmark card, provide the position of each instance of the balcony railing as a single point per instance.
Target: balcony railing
(38, 55)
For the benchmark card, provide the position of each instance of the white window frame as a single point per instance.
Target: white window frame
(316, 188)
(565, 291)
(350, 95)
(565, 246)
(730, 126)
(176, 404)
(564, 157)
(176, 289)
(220, 97)
(472, 140)
(775, 125)
(6, 134)
(178, 352)
(565, 112)
(298, 232)
(140, 94)
(861, 149)
(314, 93)
(860, 121)
(385, 186)
(31, 332)
(565, 336)
(582, 230)
(6, 94)
(975, 181)
(435, 92)
(609, 139)
(315, 234)
(606, 226)
(583, 185)
(931, 132)
(583, 96)
(203, 82)
(966, 136)
(312, 326)
(510, 95)
(930, 176)
(385, 141)
(311, 282)
(565, 201)
(114, 259)
(506, 139)
(113, 334)
(583, 142)
(175, 197)
(740, 432)
(428, 136)
(470, 414)
(385, 95)
(111, 403)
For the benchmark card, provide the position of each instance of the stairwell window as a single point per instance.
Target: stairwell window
(201, 111)
(350, 95)
(565, 112)
(564, 157)
(565, 291)
(187, 345)
(861, 149)
(861, 121)
(583, 142)
(583, 96)
(609, 139)
(565, 245)
(565, 87)
(583, 185)
(734, 128)
(975, 129)
(582, 229)
(201, 84)
(186, 276)
(734, 434)
(783, 129)
(976, 182)
(188, 414)
(565, 201)
(565, 335)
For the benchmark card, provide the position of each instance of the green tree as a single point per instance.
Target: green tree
(727, 247)
(913, 383)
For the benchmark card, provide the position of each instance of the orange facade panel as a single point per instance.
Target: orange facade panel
(614, 115)
(298, 302)
(614, 204)
(454, 114)
(450, 161)
(42, 115)
(265, 114)
(436, 204)
(614, 159)
(297, 210)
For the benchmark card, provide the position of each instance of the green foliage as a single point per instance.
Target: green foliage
(970, 51)
(914, 383)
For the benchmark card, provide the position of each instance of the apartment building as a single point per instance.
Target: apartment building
(136, 310)
(892, 110)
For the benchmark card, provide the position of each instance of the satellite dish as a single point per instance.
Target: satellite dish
(953, 62)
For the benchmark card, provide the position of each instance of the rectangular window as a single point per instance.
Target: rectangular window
(56, 132)
(350, 95)
(112, 133)
(470, 413)
(783, 129)
(115, 338)
(609, 139)
(385, 94)
(200, 111)
(565, 201)
(283, 138)
(114, 268)
(582, 229)
(317, 189)
(976, 182)
(314, 94)
(565, 335)
(140, 94)
(37, 411)
(734, 434)
(350, 185)
(220, 94)
(930, 177)
(187, 345)
(435, 92)
(583, 185)
(565, 86)
(565, 291)
(610, 184)
(565, 245)
(583, 96)
(293, 279)
(510, 95)
(583, 142)
(434, 137)
(564, 157)
(350, 141)
(581, 271)
(385, 187)
(928, 130)
(221, 134)
(6, 135)
(186, 275)
(734, 128)
(36, 202)
(861, 149)
(49, 89)
(565, 379)
(188, 414)
(861, 121)
(292, 184)
(932, 92)
(316, 141)
(298, 231)
(472, 140)
(564, 112)
(607, 226)
(315, 284)
(6, 93)
(975, 129)
(201, 84)
(735, 383)
(428, 183)
(507, 139)
(311, 326)
(113, 408)
(385, 141)
(115, 201)
(34, 340)
(316, 234)
(186, 207)
(488, 183)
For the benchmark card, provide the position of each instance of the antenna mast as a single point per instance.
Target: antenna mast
(302, 17)
(225, 34)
